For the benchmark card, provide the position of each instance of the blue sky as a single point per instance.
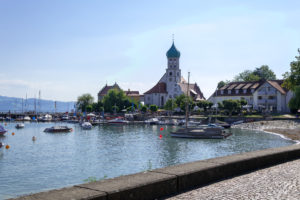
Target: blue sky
(66, 47)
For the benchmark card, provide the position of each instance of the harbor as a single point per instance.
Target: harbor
(106, 151)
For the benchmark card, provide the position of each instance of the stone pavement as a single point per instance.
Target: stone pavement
(277, 182)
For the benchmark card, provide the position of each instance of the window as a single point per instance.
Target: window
(269, 89)
(236, 91)
(252, 90)
(245, 91)
(271, 97)
(170, 79)
(222, 91)
(177, 73)
(229, 91)
(170, 73)
(259, 97)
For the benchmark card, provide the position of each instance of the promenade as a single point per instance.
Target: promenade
(278, 182)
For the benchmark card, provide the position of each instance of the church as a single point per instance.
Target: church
(172, 84)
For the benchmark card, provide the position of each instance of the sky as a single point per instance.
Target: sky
(65, 48)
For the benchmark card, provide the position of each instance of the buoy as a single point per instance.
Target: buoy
(7, 146)
(160, 136)
(13, 133)
(161, 129)
(33, 138)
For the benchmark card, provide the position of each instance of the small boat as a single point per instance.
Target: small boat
(118, 121)
(238, 122)
(201, 133)
(21, 125)
(86, 125)
(2, 130)
(58, 129)
(152, 121)
(27, 118)
(46, 118)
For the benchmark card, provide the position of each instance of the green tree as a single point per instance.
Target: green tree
(294, 103)
(83, 101)
(221, 84)
(153, 108)
(181, 101)
(264, 72)
(170, 105)
(231, 105)
(117, 98)
(246, 75)
(96, 107)
(292, 78)
(144, 109)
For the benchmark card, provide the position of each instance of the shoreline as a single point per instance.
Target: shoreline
(288, 130)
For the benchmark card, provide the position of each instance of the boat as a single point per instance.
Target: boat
(21, 125)
(46, 118)
(86, 125)
(2, 130)
(201, 133)
(27, 118)
(152, 121)
(117, 120)
(208, 131)
(58, 129)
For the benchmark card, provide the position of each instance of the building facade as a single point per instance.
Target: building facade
(260, 95)
(171, 84)
(133, 95)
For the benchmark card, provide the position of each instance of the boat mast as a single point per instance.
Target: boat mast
(187, 102)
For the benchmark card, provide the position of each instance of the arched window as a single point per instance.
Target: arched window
(170, 73)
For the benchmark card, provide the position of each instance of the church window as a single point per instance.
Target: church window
(170, 73)
(170, 79)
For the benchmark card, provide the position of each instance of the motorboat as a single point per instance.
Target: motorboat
(2, 130)
(86, 125)
(47, 118)
(117, 121)
(21, 125)
(201, 133)
(58, 129)
(27, 118)
(152, 121)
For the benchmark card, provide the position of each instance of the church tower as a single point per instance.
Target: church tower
(173, 72)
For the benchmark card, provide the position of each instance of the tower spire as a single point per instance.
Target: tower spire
(173, 37)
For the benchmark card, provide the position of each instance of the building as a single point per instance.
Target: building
(260, 95)
(171, 84)
(134, 95)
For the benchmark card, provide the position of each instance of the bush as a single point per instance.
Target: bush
(153, 108)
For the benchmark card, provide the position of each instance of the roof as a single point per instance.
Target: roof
(160, 87)
(173, 52)
(247, 88)
(106, 88)
(194, 90)
(131, 93)
(277, 85)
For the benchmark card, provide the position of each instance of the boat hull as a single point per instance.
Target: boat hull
(202, 133)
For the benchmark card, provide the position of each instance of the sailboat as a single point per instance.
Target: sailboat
(210, 131)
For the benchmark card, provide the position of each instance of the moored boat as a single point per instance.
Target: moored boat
(117, 121)
(21, 125)
(58, 129)
(201, 133)
(152, 121)
(86, 125)
(2, 130)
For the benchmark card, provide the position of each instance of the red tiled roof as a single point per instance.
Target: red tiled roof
(158, 88)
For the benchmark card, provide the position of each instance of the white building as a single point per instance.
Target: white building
(261, 95)
(171, 84)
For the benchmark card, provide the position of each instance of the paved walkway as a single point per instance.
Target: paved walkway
(277, 182)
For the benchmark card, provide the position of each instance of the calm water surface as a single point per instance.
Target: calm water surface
(64, 159)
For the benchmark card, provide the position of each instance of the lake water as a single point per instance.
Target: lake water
(64, 159)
